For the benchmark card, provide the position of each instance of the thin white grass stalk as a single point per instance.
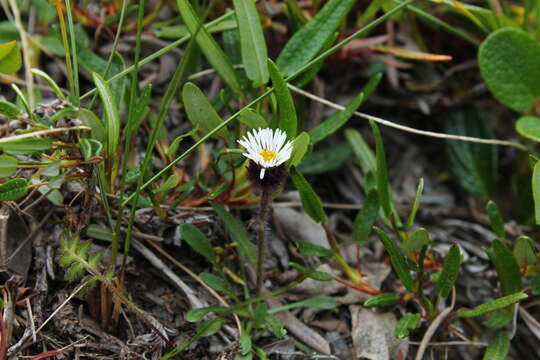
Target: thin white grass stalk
(42, 132)
(407, 128)
(25, 51)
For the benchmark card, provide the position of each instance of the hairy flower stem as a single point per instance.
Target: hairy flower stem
(261, 221)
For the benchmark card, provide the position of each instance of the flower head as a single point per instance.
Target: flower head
(267, 148)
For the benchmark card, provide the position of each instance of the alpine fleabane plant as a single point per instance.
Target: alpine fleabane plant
(268, 149)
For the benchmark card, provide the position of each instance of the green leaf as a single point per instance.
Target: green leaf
(253, 45)
(319, 302)
(252, 119)
(336, 120)
(408, 321)
(492, 305)
(416, 203)
(170, 183)
(311, 273)
(397, 260)
(91, 120)
(299, 148)
(307, 42)
(210, 48)
(309, 249)
(216, 283)
(13, 189)
(8, 165)
(449, 273)
(26, 146)
(509, 61)
(534, 283)
(245, 340)
(498, 347)
(495, 219)
(506, 266)
(529, 127)
(196, 315)
(200, 112)
(382, 172)
(416, 241)
(9, 110)
(209, 327)
(261, 311)
(310, 201)
(238, 232)
(112, 117)
(361, 149)
(535, 191)
(287, 112)
(524, 251)
(363, 223)
(325, 160)
(198, 241)
(386, 299)
(178, 31)
(10, 58)
(499, 319)
(474, 165)
(99, 232)
(54, 86)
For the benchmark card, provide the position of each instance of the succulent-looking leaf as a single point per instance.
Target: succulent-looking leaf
(529, 127)
(13, 189)
(397, 260)
(495, 219)
(499, 319)
(498, 346)
(310, 201)
(506, 266)
(386, 299)
(524, 251)
(416, 241)
(409, 321)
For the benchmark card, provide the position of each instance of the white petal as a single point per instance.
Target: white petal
(262, 173)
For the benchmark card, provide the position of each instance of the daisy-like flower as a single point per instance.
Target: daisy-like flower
(267, 148)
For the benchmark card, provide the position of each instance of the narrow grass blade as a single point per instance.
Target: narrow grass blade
(253, 45)
(416, 204)
(54, 86)
(111, 114)
(382, 172)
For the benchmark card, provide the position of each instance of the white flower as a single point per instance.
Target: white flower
(266, 147)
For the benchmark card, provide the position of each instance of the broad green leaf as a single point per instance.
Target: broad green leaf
(416, 203)
(171, 182)
(310, 201)
(529, 127)
(238, 232)
(498, 347)
(524, 251)
(300, 147)
(52, 194)
(208, 45)
(383, 186)
(319, 302)
(112, 118)
(449, 273)
(474, 165)
(245, 339)
(408, 321)
(53, 169)
(361, 149)
(209, 327)
(309, 249)
(499, 319)
(325, 160)
(8, 165)
(9, 110)
(10, 58)
(492, 305)
(311, 273)
(252, 119)
(506, 266)
(363, 223)
(397, 260)
(307, 42)
(215, 282)
(26, 146)
(287, 112)
(509, 61)
(385, 299)
(198, 241)
(535, 191)
(416, 241)
(495, 218)
(54, 86)
(261, 311)
(253, 45)
(91, 120)
(200, 112)
(336, 120)
(13, 189)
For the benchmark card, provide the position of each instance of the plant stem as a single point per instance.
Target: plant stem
(351, 273)
(265, 200)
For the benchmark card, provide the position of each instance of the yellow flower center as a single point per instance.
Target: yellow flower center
(268, 155)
